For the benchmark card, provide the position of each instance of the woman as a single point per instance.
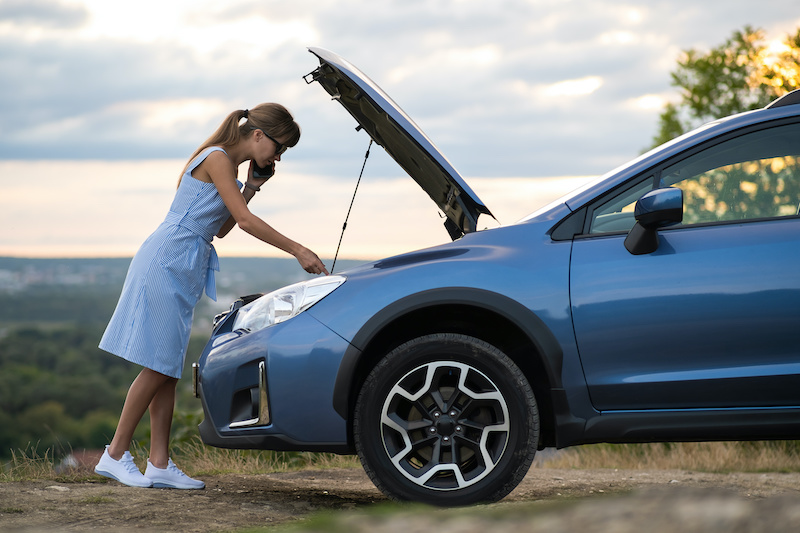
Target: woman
(168, 274)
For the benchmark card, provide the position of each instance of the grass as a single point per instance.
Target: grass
(197, 459)
(760, 456)
(28, 464)
(192, 456)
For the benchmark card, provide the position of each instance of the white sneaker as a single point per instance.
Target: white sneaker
(171, 477)
(124, 470)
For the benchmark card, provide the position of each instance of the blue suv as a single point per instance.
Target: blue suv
(659, 303)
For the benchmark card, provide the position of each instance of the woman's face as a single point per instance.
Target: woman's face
(268, 149)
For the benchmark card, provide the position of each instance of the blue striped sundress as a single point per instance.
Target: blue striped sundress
(153, 318)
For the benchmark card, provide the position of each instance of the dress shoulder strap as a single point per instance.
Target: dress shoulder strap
(202, 157)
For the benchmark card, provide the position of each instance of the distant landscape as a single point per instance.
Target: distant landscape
(58, 391)
(85, 290)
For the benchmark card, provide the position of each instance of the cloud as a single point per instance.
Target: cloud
(532, 87)
(42, 14)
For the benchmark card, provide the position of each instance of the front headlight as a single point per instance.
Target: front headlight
(285, 303)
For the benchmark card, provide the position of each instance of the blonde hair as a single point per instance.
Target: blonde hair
(273, 119)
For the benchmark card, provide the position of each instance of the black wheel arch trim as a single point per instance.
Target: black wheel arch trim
(523, 318)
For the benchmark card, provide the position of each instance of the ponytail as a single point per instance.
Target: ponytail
(274, 119)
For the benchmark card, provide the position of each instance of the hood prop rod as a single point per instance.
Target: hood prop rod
(344, 226)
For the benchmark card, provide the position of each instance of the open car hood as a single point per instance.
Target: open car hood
(391, 128)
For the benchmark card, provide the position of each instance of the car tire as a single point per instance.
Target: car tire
(448, 420)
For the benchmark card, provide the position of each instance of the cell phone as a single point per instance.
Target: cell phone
(263, 173)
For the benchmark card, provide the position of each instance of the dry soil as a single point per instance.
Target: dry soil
(591, 500)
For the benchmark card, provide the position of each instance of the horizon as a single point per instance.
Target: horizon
(111, 208)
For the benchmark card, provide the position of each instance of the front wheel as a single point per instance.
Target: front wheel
(446, 419)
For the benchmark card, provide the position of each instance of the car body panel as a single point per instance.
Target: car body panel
(700, 323)
(422, 282)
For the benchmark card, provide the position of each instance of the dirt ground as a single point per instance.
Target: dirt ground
(593, 500)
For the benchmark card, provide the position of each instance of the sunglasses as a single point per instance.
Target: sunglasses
(279, 147)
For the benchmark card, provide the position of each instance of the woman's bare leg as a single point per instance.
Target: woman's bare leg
(140, 395)
(161, 409)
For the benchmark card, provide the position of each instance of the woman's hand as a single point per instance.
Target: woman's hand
(310, 262)
(256, 179)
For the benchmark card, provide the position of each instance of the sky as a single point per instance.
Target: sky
(102, 102)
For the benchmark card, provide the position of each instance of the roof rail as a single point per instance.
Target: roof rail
(787, 99)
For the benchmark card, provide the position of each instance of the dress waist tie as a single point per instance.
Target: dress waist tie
(213, 258)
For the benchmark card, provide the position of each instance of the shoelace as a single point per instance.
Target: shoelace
(174, 469)
(127, 462)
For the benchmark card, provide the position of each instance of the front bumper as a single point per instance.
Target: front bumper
(273, 389)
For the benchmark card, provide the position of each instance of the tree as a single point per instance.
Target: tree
(742, 74)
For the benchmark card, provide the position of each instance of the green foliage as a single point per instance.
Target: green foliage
(742, 74)
(58, 390)
(184, 427)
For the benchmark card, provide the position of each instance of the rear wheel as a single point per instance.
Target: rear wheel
(446, 419)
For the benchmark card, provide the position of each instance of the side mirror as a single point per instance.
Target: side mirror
(657, 209)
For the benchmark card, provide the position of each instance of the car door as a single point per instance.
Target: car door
(711, 319)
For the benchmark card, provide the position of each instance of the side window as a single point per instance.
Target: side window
(756, 175)
(617, 214)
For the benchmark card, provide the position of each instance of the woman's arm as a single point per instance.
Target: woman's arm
(222, 173)
(248, 194)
